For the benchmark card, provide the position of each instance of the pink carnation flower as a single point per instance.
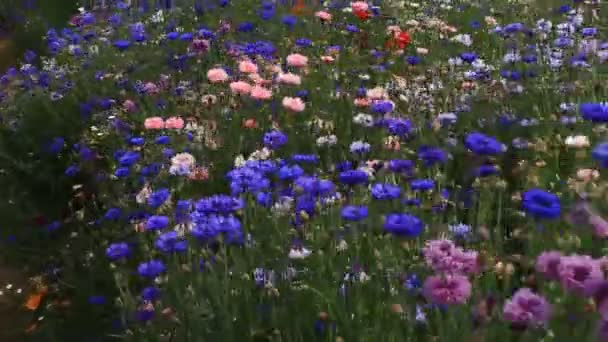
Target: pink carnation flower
(446, 290)
(323, 15)
(294, 104)
(154, 123)
(174, 123)
(547, 264)
(248, 67)
(217, 75)
(359, 6)
(289, 78)
(240, 87)
(260, 93)
(527, 309)
(576, 271)
(297, 60)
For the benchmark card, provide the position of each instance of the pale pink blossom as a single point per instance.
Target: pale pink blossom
(129, 106)
(289, 78)
(174, 122)
(297, 60)
(294, 104)
(586, 175)
(359, 6)
(154, 123)
(323, 15)
(327, 59)
(217, 75)
(248, 67)
(260, 93)
(151, 88)
(240, 87)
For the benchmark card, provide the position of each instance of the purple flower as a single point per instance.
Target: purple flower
(576, 271)
(452, 289)
(527, 309)
(547, 264)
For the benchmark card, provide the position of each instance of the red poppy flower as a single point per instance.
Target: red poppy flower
(402, 39)
(361, 14)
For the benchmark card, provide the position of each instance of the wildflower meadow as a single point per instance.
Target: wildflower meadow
(299, 170)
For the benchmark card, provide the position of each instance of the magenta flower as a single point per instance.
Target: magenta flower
(445, 257)
(527, 309)
(450, 289)
(598, 289)
(547, 264)
(576, 271)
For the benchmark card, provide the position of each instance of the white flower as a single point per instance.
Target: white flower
(143, 194)
(158, 17)
(299, 253)
(342, 246)
(578, 141)
(183, 159)
(463, 39)
(239, 161)
(364, 120)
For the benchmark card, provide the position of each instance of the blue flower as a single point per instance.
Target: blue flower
(541, 204)
(400, 165)
(468, 57)
(112, 214)
(405, 225)
(97, 300)
(122, 45)
(432, 155)
(422, 184)
(382, 107)
(354, 213)
(303, 42)
(170, 242)
(121, 172)
(151, 269)
(219, 204)
(595, 112)
(264, 199)
(460, 230)
(150, 293)
(137, 141)
(245, 27)
(400, 127)
(288, 172)
(274, 139)
(353, 177)
(157, 222)
(482, 144)
(289, 20)
(129, 158)
(72, 170)
(158, 198)
(305, 158)
(600, 153)
(381, 191)
(118, 251)
(162, 140)
(486, 170)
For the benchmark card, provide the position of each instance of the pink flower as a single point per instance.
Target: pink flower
(443, 256)
(294, 104)
(199, 45)
(527, 309)
(174, 123)
(361, 102)
(129, 106)
(547, 264)
(154, 123)
(297, 60)
(260, 93)
(289, 78)
(598, 289)
(151, 88)
(576, 271)
(452, 289)
(325, 16)
(327, 59)
(600, 226)
(217, 75)
(240, 87)
(359, 6)
(248, 67)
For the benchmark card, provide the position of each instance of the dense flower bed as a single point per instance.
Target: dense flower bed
(275, 170)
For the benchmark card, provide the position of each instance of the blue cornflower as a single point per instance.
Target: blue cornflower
(468, 57)
(400, 127)
(383, 191)
(112, 214)
(157, 222)
(482, 144)
(122, 45)
(289, 20)
(460, 230)
(150, 293)
(290, 172)
(303, 42)
(170, 242)
(400, 165)
(600, 153)
(72, 170)
(360, 147)
(541, 204)
(151, 269)
(118, 251)
(122, 172)
(382, 107)
(219, 204)
(432, 155)
(422, 184)
(403, 225)
(594, 112)
(158, 198)
(353, 177)
(354, 213)
(274, 139)
(264, 199)
(129, 158)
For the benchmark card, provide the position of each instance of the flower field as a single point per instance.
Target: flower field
(311, 171)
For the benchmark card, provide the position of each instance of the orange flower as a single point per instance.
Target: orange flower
(33, 301)
(299, 8)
